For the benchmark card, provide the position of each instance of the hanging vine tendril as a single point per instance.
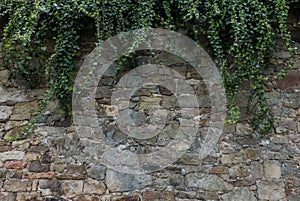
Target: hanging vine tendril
(241, 33)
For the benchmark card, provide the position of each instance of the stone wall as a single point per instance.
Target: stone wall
(51, 163)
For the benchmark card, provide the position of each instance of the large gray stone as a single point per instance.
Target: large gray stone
(272, 169)
(92, 186)
(96, 172)
(17, 185)
(207, 182)
(239, 194)
(271, 190)
(11, 94)
(119, 182)
(12, 155)
(5, 113)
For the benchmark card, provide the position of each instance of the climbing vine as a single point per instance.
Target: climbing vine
(242, 35)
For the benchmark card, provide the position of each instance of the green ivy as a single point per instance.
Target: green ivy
(242, 35)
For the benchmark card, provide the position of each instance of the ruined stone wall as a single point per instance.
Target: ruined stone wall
(51, 164)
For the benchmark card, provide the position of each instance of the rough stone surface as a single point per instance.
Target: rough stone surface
(271, 190)
(17, 185)
(57, 161)
(207, 182)
(158, 196)
(94, 186)
(5, 112)
(126, 182)
(272, 169)
(15, 165)
(12, 155)
(239, 194)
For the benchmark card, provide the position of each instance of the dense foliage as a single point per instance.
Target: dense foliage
(241, 33)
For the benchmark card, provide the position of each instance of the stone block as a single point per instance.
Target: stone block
(120, 182)
(72, 188)
(271, 190)
(92, 186)
(29, 196)
(12, 155)
(239, 194)
(272, 169)
(5, 113)
(17, 185)
(15, 165)
(96, 172)
(158, 196)
(207, 182)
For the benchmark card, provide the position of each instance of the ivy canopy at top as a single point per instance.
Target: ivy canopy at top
(242, 35)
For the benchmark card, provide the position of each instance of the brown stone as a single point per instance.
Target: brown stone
(4, 146)
(272, 169)
(86, 198)
(92, 186)
(36, 166)
(72, 188)
(43, 175)
(251, 154)
(7, 196)
(207, 196)
(17, 185)
(158, 196)
(71, 177)
(127, 198)
(40, 149)
(271, 190)
(219, 170)
(76, 169)
(290, 81)
(29, 196)
(15, 165)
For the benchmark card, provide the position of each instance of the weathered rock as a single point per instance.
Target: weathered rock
(252, 154)
(238, 171)
(3, 172)
(272, 169)
(4, 146)
(50, 187)
(290, 81)
(17, 185)
(7, 196)
(96, 172)
(158, 196)
(40, 149)
(76, 169)
(239, 194)
(86, 198)
(92, 186)
(29, 196)
(36, 166)
(15, 165)
(57, 167)
(15, 174)
(72, 188)
(42, 175)
(207, 195)
(21, 145)
(11, 94)
(232, 158)
(116, 181)
(219, 170)
(207, 182)
(271, 190)
(12, 155)
(256, 170)
(127, 198)
(5, 113)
